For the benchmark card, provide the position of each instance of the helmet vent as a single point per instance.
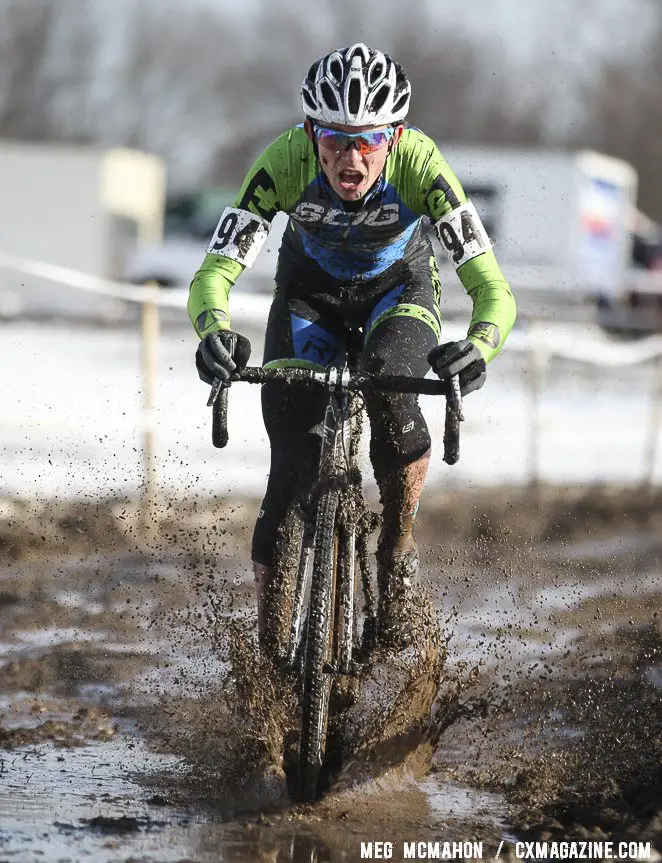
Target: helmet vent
(329, 96)
(376, 72)
(313, 71)
(335, 70)
(308, 99)
(354, 96)
(400, 102)
(379, 99)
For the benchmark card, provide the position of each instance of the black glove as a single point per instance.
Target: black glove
(459, 358)
(221, 354)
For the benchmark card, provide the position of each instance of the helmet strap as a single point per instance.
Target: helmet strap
(308, 125)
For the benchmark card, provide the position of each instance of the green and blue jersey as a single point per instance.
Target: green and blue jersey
(354, 245)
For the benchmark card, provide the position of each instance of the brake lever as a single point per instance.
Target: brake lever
(216, 387)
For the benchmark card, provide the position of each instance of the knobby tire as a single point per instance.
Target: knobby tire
(319, 647)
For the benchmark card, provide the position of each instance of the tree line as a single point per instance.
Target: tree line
(206, 87)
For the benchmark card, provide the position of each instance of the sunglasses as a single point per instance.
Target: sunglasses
(366, 142)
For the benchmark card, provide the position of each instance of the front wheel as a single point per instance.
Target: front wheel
(319, 650)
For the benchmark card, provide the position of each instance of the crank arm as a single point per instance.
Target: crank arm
(354, 670)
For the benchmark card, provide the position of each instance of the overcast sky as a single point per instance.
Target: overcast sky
(527, 27)
(573, 37)
(524, 27)
(539, 52)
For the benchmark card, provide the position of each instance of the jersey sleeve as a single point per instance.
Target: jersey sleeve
(494, 307)
(268, 188)
(435, 191)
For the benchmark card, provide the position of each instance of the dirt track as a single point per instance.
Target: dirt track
(110, 702)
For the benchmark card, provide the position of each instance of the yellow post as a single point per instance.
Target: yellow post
(537, 369)
(654, 425)
(132, 185)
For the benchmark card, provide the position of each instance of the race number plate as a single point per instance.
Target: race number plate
(462, 234)
(239, 235)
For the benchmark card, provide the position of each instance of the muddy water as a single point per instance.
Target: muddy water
(121, 739)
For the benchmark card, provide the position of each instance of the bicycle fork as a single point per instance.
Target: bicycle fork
(347, 562)
(334, 467)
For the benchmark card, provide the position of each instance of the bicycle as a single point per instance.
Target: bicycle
(335, 525)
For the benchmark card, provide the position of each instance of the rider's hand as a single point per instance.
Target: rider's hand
(459, 358)
(221, 354)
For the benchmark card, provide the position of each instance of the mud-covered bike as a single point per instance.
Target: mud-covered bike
(324, 643)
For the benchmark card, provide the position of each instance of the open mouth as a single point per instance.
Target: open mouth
(350, 180)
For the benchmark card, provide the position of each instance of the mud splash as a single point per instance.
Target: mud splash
(241, 739)
(148, 729)
(233, 735)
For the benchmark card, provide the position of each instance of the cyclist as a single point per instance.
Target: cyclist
(364, 193)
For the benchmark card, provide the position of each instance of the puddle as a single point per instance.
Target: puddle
(463, 803)
(50, 798)
(605, 548)
(127, 636)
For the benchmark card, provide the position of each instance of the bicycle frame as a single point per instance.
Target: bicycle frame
(336, 524)
(336, 459)
(335, 467)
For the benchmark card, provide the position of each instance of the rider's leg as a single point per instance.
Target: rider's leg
(293, 419)
(400, 490)
(400, 465)
(294, 459)
(401, 332)
(263, 575)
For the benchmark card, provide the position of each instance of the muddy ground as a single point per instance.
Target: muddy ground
(126, 733)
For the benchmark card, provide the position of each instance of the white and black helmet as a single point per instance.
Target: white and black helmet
(356, 86)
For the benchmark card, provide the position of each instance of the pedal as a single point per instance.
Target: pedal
(289, 667)
(369, 636)
(355, 669)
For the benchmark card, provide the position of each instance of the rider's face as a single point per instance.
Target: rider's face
(350, 173)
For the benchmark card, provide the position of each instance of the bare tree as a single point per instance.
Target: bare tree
(25, 31)
(207, 90)
(623, 117)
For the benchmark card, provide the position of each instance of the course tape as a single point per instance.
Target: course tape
(86, 282)
(584, 344)
(255, 306)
